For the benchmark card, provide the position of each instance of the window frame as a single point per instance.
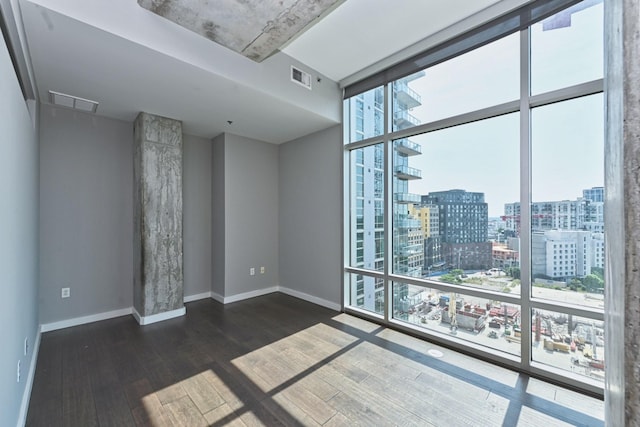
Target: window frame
(525, 300)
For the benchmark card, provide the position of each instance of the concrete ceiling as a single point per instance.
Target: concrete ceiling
(130, 60)
(253, 28)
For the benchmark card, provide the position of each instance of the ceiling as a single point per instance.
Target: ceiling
(130, 59)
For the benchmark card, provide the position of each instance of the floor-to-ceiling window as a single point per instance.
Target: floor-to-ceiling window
(475, 199)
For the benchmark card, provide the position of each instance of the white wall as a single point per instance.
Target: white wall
(310, 214)
(248, 195)
(196, 214)
(19, 248)
(86, 214)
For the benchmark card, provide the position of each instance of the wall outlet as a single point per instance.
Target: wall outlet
(66, 293)
(262, 270)
(26, 346)
(252, 271)
(18, 372)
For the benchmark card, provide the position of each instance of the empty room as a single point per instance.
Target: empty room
(320, 213)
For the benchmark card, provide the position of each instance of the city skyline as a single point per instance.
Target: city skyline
(484, 156)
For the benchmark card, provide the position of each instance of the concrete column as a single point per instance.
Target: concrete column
(622, 212)
(158, 281)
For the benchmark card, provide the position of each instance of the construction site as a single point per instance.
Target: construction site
(571, 343)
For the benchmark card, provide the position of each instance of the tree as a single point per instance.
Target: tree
(592, 282)
(450, 278)
(513, 272)
(598, 272)
(575, 284)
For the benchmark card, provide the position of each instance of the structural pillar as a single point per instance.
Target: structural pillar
(622, 212)
(158, 275)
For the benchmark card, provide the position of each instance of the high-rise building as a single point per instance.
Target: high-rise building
(565, 254)
(408, 236)
(584, 213)
(367, 221)
(594, 194)
(368, 183)
(463, 221)
(430, 224)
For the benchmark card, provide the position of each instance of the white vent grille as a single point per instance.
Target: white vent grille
(300, 77)
(70, 101)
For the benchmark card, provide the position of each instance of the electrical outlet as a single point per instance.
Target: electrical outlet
(252, 271)
(18, 372)
(262, 270)
(66, 293)
(26, 346)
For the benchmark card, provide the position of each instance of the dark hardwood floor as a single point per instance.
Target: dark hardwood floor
(276, 360)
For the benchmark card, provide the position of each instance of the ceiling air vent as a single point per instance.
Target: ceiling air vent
(301, 77)
(70, 101)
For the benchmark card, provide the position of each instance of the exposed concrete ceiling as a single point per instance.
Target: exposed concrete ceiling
(131, 60)
(253, 28)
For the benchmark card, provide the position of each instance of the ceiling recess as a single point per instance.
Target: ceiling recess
(253, 28)
(74, 102)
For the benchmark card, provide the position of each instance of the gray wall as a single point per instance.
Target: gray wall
(247, 199)
(196, 214)
(19, 231)
(218, 215)
(86, 214)
(310, 185)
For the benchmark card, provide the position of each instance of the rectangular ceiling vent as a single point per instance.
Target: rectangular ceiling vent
(74, 102)
(301, 77)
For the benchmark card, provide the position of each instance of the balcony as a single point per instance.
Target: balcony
(406, 223)
(408, 250)
(406, 198)
(405, 96)
(405, 172)
(407, 147)
(404, 120)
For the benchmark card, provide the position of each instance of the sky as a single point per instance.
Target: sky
(567, 138)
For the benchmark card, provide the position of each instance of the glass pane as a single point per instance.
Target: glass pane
(367, 207)
(572, 343)
(567, 242)
(490, 323)
(366, 293)
(481, 78)
(366, 114)
(567, 48)
(450, 189)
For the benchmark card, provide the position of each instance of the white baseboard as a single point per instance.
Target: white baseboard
(146, 320)
(310, 298)
(217, 297)
(154, 318)
(46, 327)
(26, 396)
(247, 295)
(196, 297)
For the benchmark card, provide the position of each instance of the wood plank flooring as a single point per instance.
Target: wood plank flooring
(279, 361)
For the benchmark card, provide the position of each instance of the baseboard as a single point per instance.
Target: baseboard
(246, 295)
(46, 327)
(217, 297)
(26, 396)
(310, 298)
(196, 297)
(251, 294)
(301, 295)
(154, 318)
